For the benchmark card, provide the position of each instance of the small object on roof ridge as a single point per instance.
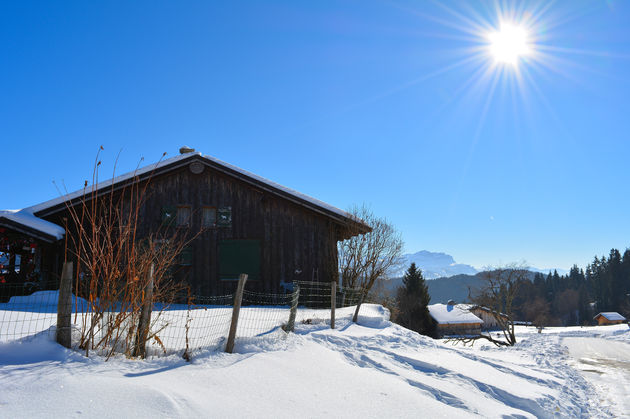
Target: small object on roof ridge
(185, 149)
(450, 302)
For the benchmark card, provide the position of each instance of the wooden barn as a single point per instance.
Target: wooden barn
(243, 223)
(455, 320)
(609, 317)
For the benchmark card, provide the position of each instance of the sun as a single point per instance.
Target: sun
(509, 44)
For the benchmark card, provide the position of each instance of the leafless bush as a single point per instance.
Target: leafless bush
(113, 258)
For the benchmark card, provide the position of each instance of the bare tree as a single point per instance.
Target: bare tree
(365, 259)
(537, 311)
(497, 293)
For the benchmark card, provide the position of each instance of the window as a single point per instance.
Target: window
(4, 262)
(168, 216)
(183, 216)
(208, 217)
(239, 257)
(186, 257)
(224, 217)
(10, 264)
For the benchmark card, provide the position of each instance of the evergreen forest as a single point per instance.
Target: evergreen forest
(573, 299)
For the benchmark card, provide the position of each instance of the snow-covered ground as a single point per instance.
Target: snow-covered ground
(605, 363)
(371, 369)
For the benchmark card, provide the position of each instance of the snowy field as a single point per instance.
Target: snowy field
(371, 369)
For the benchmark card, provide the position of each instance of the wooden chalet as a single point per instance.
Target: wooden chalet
(609, 317)
(489, 317)
(455, 320)
(248, 225)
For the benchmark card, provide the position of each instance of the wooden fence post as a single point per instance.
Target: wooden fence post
(145, 317)
(238, 297)
(64, 306)
(290, 327)
(333, 303)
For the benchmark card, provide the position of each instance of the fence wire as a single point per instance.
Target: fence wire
(263, 315)
(317, 295)
(26, 310)
(201, 323)
(315, 301)
(191, 324)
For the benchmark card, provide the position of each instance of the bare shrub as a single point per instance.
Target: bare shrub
(113, 258)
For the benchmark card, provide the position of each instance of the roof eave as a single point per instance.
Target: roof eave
(29, 231)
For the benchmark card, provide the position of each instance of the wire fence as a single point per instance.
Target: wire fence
(318, 295)
(27, 309)
(315, 300)
(192, 324)
(202, 322)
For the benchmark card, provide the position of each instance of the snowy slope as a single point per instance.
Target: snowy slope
(370, 369)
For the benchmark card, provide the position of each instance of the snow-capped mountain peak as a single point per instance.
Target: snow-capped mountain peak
(434, 265)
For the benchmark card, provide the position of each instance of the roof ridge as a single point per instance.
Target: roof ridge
(105, 183)
(34, 209)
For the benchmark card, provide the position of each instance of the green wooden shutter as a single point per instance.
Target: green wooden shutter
(239, 256)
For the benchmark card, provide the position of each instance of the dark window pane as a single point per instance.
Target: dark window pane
(209, 217)
(185, 257)
(224, 217)
(183, 216)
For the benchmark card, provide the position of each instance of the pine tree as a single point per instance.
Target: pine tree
(412, 301)
(615, 281)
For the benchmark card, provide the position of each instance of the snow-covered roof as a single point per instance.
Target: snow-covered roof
(216, 162)
(452, 314)
(611, 315)
(275, 185)
(26, 218)
(473, 307)
(121, 178)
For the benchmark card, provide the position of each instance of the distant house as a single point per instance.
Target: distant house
(248, 225)
(609, 317)
(488, 316)
(455, 319)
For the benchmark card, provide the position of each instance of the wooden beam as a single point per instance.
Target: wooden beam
(64, 307)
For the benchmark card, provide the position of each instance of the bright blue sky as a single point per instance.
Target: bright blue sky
(392, 103)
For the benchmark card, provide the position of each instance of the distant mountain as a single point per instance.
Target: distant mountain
(443, 289)
(434, 265)
(449, 280)
(453, 288)
(442, 265)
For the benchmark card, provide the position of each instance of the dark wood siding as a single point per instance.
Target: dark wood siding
(296, 243)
